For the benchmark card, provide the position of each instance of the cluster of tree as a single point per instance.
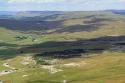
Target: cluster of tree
(21, 37)
(25, 37)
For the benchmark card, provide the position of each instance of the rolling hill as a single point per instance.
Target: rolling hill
(58, 46)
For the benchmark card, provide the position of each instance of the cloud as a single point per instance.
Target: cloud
(94, 1)
(121, 0)
(66, 1)
(34, 1)
(64, 5)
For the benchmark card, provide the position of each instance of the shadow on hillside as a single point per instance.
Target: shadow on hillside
(8, 50)
(28, 25)
(79, 28)
(95, 19)
(8, 45)
(92, 24)
(66, 49)
(8, 53)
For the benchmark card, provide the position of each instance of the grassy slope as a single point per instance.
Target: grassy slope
(6, 35)
(109, 29)
(107, 68)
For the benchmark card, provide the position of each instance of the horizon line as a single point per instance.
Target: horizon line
(58, 10)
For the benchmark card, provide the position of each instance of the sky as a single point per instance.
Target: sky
(61, 5)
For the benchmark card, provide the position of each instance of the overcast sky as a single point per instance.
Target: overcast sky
(60, 5)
